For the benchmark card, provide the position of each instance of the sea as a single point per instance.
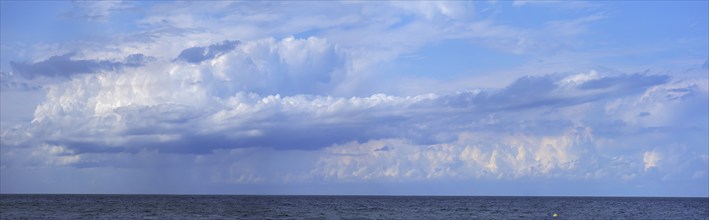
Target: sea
(35, 206)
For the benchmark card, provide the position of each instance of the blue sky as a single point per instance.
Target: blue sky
(393, 98)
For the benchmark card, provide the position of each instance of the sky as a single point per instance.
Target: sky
(510, 98)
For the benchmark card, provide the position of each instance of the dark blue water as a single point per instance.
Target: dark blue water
(346, 207)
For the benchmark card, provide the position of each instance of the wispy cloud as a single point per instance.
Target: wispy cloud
(97, 11)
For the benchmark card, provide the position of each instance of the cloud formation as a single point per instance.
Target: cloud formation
(554, 124)
(254, 94)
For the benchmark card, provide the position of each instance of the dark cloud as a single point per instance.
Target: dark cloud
(64, 66)
(284, 133)
(626, 83)
(10, 82)
(84, 147)
(385, 148)
(546, 91)
(526, 92)
(199, 54)
(136, 60)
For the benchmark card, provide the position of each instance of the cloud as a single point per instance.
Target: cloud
(651, 159)
(315, 93)
(199, 54)
(97, 11)
(273, 96)
(64, 66)
(197, 109)
(11, 82)
(432, 10)
(471, 154)
(634, 81)
(287, 67)
(557, 91)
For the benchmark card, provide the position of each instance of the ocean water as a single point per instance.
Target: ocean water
(345, 207)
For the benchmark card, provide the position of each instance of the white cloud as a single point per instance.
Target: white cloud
(651, 159)
(580, 78)
(430, 10)
(472, 154)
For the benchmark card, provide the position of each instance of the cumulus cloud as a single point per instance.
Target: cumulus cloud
(274, 95)
(651, 159)
(288, 67)
(197, 108)
(472, 154)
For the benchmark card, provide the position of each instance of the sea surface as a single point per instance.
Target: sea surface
(14, 206)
